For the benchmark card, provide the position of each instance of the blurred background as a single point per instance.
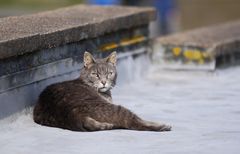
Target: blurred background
(173, 15)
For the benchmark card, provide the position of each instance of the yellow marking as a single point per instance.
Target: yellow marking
(192, 54)
(134, 40)
(108, 46)
(188, 54)
(177, 51)
(197, 55)
(123, 42)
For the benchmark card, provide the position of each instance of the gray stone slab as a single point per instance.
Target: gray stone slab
(217, 40)
(22, 34)
(28, 61)
(205, 48)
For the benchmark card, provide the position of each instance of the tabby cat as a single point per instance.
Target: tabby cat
(85, 104)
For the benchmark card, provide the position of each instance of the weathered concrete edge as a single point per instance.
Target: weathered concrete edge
(39, 41)
(118, 41)
(49, 70)
(228, 46)
(229, 33)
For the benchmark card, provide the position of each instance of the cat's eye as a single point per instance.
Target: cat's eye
(110, 73)
(94, 74)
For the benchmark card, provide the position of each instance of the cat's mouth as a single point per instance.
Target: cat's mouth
(103, 89)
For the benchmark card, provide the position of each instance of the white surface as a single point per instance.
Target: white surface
(202, 107)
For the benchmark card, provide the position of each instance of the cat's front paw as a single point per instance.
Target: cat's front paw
(166, 128)
(106, 126)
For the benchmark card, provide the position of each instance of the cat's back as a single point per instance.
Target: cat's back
(57, 101)
(73, 91)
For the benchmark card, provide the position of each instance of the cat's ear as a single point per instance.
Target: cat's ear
(88, 59)
(112, 58)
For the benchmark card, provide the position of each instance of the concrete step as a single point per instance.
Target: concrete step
(205, 48)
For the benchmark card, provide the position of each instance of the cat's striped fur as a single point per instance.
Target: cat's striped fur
(85, 104)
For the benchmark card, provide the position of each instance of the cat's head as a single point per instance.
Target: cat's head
(100, 74)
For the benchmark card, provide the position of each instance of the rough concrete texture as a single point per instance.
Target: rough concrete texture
(74, 50)
(218, 39)
(22, 34)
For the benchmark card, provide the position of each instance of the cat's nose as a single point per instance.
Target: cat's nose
(103, 82)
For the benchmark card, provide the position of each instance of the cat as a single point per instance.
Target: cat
(85, 104)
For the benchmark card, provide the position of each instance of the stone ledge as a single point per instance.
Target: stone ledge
(23, 34)
(202, 49)
(219, 38)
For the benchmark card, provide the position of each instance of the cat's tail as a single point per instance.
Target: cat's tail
(129, 120)
(143, 125)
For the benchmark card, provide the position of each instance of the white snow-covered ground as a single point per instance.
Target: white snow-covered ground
(202, 107)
